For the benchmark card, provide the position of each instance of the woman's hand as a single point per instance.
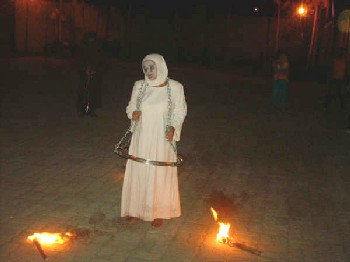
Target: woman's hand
(136, 115)
(169, 134)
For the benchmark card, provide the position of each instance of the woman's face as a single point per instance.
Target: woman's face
(149, 69)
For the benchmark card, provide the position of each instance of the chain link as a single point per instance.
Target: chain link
(126, 139)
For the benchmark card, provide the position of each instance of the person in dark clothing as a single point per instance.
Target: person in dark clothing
(90, 70)
(337, 82)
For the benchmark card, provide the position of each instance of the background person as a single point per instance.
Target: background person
(90, 61)
(337, 82)
(280, 80)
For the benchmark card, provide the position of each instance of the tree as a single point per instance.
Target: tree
(280, 5)
(318, 5)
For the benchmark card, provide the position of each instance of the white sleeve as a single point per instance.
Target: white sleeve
(133, 100)
(179, 110)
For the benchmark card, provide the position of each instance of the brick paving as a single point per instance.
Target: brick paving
(280, 178)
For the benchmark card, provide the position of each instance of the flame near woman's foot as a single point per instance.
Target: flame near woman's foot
(50, 238)
(46, 238)
(223, 235)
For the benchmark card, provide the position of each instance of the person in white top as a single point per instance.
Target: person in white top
(158, 109)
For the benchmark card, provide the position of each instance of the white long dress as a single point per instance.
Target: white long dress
(150, 191)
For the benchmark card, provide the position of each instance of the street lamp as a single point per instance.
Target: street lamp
(302, 11)
(26, 22)
(26, 35)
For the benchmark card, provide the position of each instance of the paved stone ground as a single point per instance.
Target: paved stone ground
(282, 179)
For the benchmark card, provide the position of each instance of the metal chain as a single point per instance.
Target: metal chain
(172, 143)
(140, 97)
(138, 105)
(128, 134)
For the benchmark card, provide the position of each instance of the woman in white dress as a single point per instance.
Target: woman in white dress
(158, 108)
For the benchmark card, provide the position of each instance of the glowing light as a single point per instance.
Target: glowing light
(50, 238)
(222, 236)
(215, 214)
(302, 11)
(224, 228)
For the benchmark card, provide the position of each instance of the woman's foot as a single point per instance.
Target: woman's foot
(132, 220)
(157, 222)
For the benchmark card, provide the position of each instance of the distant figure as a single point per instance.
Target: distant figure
(337, 81)
(280, 81)
(89, 66)
(348, 94)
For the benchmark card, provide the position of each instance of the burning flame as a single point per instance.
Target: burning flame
(222, 236)
(50, 238)
(215, 214)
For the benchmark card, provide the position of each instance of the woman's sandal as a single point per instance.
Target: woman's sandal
(132, 220)
(157, 222)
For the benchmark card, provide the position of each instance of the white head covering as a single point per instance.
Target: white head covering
(162, 69)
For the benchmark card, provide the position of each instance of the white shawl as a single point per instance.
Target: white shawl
(162, 69)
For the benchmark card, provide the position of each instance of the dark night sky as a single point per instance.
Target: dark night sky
(159, 8)
(239, 7)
